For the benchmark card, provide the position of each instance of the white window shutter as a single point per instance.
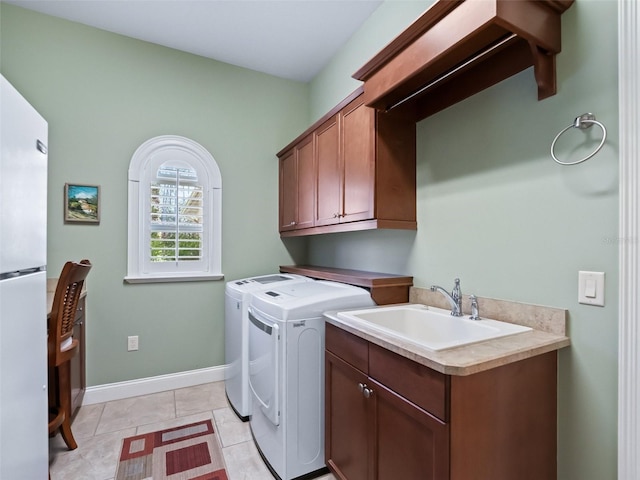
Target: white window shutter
(174, 212)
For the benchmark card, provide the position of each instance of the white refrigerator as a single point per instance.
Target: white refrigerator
(24, 442)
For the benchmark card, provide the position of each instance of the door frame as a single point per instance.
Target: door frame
(629, 241)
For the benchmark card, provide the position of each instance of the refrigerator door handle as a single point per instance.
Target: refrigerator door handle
(42, 148)
(21, 273)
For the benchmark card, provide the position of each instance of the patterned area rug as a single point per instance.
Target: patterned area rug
(190, 452)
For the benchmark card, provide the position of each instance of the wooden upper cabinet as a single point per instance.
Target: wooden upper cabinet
(365, 172)
(306, 185)
(358, 146)
(297, 187)
(345, 149)
(329, 181)
(288, 195)
(364, 149)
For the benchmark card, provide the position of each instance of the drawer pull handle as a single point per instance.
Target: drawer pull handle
(361, 387)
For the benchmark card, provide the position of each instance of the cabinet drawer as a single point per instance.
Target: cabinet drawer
(347, 346)
(419, 384)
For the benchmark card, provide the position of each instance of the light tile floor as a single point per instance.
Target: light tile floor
(99, 430)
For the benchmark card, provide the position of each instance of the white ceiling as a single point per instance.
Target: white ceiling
(291, 39)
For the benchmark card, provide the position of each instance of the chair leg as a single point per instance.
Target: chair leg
(64, 391)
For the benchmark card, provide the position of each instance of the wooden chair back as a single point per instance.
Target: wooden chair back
(63, 311)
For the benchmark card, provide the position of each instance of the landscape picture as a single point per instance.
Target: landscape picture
(82, 203)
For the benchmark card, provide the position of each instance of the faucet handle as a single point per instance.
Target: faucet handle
(475, 312)
(456, 292)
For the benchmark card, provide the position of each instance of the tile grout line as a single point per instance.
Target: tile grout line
(95, 430)
(175, 405)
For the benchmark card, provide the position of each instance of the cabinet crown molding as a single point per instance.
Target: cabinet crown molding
(457, 48)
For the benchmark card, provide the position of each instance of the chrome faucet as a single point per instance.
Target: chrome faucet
(454, 298)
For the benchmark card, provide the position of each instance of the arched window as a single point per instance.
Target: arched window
(175, 194)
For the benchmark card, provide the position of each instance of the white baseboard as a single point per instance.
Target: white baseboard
(146, 386)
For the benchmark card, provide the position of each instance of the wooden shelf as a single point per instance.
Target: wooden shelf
(385, 288)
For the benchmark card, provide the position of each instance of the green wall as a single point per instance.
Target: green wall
(495, 210)
(105, 94)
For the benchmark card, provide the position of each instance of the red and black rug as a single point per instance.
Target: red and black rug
(190, 452)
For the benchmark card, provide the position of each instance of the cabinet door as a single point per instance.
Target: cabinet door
(358, 140)
(305, 184)
(410, 443)
(288, 191)
(348, 427)
(329, 175)
(297, 187)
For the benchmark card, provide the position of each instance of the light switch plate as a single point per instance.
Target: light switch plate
(591, 288)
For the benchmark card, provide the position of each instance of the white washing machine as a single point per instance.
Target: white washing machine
(236, 334)
(286, 372)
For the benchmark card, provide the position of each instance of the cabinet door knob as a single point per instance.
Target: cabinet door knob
(365, 390)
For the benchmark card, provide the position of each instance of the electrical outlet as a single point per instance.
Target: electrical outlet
(132, 343)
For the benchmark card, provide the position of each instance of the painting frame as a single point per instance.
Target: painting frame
(81, 203)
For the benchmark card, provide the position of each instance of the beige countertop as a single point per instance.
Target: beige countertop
(547, 334)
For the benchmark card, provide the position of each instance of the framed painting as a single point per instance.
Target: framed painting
(81, 203)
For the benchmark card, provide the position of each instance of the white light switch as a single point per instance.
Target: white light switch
(591, 288)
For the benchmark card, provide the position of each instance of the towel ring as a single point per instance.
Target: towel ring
(584, 121)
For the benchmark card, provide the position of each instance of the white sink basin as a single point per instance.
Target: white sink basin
(433, 328)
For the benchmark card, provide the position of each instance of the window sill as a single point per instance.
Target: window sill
(163, 278)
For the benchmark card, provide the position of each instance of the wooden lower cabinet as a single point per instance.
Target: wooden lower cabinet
(349, 426)
(383, 436)
(390, 418)
(410, 442)
(77, 366)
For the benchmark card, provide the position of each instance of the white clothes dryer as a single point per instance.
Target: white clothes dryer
(236, 334)
(286, 372)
